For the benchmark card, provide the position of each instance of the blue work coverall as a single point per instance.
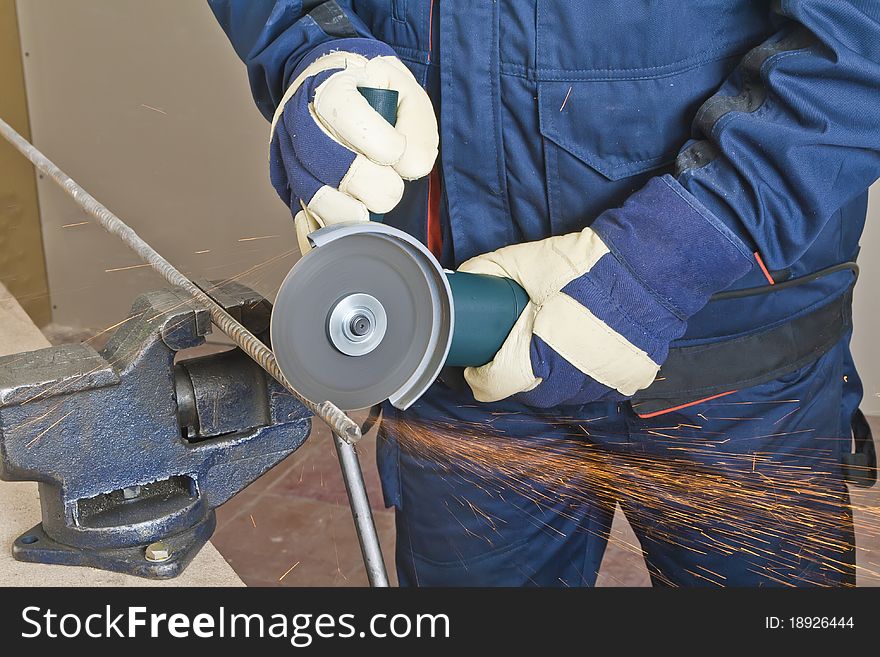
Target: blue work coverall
(550, 112)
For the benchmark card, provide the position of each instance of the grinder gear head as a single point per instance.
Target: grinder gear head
(365, 316)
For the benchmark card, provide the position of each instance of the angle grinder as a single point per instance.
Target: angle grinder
(369, 314)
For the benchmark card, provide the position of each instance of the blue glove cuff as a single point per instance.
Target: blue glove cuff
(673, 245)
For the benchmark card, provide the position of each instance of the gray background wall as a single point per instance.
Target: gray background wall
(866, 310)
(147, 105)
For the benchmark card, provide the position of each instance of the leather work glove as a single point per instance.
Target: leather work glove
(332, 157)
(607, 301)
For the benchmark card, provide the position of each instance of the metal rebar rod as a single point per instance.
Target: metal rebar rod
(335, 418)
(371, 548)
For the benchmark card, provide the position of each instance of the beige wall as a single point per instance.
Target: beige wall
(147, 106)
(22, 266)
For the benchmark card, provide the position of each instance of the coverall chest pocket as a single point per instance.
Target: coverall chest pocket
(604, 137)
(618, 86)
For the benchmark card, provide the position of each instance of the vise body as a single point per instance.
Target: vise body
(136, 445)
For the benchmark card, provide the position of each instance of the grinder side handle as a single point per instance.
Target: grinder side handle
(384, 101)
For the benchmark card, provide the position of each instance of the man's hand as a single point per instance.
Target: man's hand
(607, 301)
(332, 157)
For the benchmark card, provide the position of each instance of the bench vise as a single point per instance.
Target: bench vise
(135, 446)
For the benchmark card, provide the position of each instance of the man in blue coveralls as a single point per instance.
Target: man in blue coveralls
(680, 187)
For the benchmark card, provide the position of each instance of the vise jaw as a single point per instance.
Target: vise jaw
(134, 447)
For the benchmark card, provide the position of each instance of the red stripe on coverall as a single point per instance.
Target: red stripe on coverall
(678, 408)
(434, 234)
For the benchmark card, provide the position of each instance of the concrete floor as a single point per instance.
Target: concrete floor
(293, 527)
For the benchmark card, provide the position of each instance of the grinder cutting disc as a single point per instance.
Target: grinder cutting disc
(363, 317)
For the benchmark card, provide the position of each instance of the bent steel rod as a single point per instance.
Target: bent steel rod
(345, 430)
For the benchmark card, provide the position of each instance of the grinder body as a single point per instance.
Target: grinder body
(486, 308)
(369, 314)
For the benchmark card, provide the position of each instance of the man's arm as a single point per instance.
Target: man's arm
(272, 37)
(794, 133)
